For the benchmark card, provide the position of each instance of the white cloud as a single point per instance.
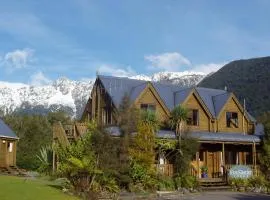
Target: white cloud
(116, 71)
(39, 79)
(171, 61)
(208, 68)
(18, 58)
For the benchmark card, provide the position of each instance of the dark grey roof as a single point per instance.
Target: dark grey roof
(219, 101)
(225, 137)
(207, 95)
(181, 95)
(5, 131)
(201, 136)
(136, 91)
(250, 117)
(259, 129)
(171, 95)
(117, 87)
(165, 92)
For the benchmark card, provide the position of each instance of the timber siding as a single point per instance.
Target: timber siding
(192, 103)
(148, 97)
(231, 106)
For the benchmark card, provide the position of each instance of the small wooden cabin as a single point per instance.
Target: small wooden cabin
(8, 143)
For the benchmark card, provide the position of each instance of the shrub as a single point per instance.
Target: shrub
(257, 181)
(186, 181)
(141, 176)
(238, 182)
(166, 183)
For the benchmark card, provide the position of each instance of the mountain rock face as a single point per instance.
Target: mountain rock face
(71, 96)
(247, 79)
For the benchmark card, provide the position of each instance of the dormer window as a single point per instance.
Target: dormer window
(148, 107)
(193, 117)
(232, 119)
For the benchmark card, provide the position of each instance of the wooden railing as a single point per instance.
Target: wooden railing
(165, 169)
(193, 171)
(168, 170)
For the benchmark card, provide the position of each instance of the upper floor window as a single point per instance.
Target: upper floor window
(193, 117)
(150, 107)
(232, 119)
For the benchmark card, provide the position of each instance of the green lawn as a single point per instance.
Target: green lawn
(15, 188)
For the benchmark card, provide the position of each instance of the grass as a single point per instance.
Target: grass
(14, 188)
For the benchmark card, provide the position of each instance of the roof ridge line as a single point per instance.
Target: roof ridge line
(222, 94)
(183, 89)
(139, 85)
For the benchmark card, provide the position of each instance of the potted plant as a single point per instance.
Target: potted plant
(204, 170)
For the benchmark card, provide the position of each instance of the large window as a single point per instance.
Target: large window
(193, 117)
(150, 107)
(232, 119)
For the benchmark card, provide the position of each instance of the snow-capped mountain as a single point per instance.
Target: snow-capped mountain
(71, 96)
(63, 94)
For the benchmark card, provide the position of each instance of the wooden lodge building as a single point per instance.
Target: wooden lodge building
(8, 141)
(228, 134)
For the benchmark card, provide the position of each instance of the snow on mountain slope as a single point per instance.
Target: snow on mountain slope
(71, 96)
(63, 94)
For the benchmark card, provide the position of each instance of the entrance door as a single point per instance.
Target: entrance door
(10, 153)
(213, 164)
(210, 163)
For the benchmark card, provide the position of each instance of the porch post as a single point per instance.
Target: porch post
(198, 164)
(223, 154)
(254, 158)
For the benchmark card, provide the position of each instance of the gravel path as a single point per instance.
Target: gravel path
(218, 196)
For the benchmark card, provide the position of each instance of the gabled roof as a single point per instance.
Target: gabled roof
(6, 132)
(181, 95)
(136, 91)
(207, 95)
(172, 95)
(166, 93)
(117, 87)
(219, 101)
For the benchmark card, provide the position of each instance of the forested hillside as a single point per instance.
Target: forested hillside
(249, 79)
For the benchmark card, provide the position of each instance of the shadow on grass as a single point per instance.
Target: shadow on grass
(59, 187)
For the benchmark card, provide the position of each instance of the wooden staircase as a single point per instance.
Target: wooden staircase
(12, 170)
(213, 184)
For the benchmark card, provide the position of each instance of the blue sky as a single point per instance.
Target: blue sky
(43, 40)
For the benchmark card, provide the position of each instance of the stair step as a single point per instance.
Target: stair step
(14, 170)
(216, 188)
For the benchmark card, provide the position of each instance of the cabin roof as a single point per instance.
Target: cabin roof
(201, 136)
(172, 95)
(6, 132)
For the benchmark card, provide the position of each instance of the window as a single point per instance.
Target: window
(150, 107)
(232, 119)
(193, 117)
(10, 147)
